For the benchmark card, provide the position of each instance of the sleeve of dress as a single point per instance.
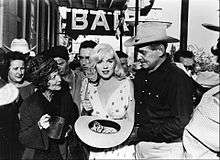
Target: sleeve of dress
(30, 135)
(181, 104)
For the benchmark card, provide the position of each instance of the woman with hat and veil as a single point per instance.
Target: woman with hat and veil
(201, 135)
(37, 110)
(107, 97)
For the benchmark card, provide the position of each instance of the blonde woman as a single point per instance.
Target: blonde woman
(110, 96)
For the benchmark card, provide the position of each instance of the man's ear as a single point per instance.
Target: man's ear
(161, 50)
(181, 59)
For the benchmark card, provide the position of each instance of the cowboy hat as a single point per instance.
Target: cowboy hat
(122, 130)
(20, 45)
(8, 93)
(208, 79)
(150, 32)
(211, 27)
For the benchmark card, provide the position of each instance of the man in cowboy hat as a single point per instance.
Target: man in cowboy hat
(201, 135)
(163, 94)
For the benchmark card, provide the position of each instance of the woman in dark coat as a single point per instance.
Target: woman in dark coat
(38, 108)
(10, 147)
(9, 124)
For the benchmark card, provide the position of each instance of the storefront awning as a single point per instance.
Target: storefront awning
(107, 5)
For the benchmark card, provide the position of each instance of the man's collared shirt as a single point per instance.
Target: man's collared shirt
(163, 103)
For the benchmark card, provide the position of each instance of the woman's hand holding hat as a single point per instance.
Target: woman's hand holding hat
(43, 123)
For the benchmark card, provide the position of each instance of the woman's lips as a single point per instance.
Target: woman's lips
(105, 72)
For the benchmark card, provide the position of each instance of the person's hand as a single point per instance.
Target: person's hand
(43, 123)
(91, 74)
(86, 105)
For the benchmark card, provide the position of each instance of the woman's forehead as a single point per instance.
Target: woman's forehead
(16, 62)
(107, 56)
(145, 48)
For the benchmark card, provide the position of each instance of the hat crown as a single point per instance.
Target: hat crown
(151, 32)
(152, 29)
(20, 45)
(208, 78)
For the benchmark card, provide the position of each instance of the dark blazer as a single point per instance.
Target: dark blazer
(30, 135)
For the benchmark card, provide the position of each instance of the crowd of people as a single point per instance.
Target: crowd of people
(169, 110)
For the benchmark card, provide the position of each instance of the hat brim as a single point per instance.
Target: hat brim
(101, 140)
(135, 41)
(211, 27)
(132, 22)
(8, 94)
(208, 79)
(26, 51)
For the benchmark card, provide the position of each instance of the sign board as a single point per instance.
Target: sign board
(84, 22)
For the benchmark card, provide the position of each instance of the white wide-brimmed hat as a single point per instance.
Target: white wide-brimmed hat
(208, 79)
(20, 45)
(95, 139)
(8, 92)
(151, 32)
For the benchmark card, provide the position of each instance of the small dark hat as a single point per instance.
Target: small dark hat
(40, 67)
(59, 51)
(121, 54)
(15, 55)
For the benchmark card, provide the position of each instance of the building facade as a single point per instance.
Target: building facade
(34, 20)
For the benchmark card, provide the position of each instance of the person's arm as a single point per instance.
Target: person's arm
(180, 101)
(131, 103)
(30, 135)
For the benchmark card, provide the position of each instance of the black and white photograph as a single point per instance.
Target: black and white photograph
(109, 79)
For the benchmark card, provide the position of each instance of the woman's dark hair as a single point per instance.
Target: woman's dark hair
(14, 55)
(87, 44)
(42, 83)
(39, 69)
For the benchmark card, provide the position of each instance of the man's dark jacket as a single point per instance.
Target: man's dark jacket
(163, 103)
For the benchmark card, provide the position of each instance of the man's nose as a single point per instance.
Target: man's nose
(58, 78)
(20, 71)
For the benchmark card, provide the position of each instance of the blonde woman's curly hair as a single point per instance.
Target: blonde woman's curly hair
(102, 50)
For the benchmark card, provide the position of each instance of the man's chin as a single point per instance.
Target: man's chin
(61, 74)
(144, 66)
